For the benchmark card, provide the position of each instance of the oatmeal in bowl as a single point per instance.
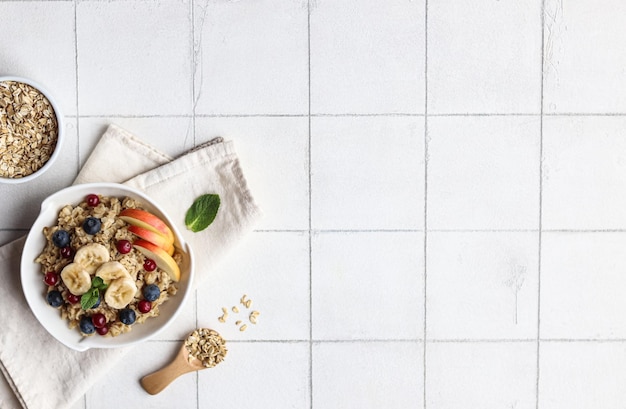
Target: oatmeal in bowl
(103, 266)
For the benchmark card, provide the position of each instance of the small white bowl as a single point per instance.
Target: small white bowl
(34, 287)
(60, 131)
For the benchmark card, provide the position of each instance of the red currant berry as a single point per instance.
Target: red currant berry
(124, 246)
(72, 299)
(99, 320)
(66, 252)
(144, 306)
(149, 265)
(51, 278)
(102, 330)
(93, 200)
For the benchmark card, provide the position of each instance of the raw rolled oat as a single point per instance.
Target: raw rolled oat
(28, 129)
(245, 302)
(207, 346)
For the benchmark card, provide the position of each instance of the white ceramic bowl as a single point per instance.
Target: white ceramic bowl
(60, 133)
(35, 289)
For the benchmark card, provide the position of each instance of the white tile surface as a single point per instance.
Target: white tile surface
(368, 375)
(482, 285)
(333, 107)
(582, 286)
(584, 173)
(348, 188)
(170, 135)
(258, 375)
(239, 71)
(113, 391)
(483, 172)
(132, 63)
(282, 184)
(581, 76)
(40, 45)
(272, 269)
(481, 375)
(475, 67)
(367, 57)
(179, 329)
(367, 285)
(582, 375)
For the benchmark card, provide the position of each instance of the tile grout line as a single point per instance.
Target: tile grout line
(194, 69)
(408, 231)
(412, 341)
(310, 226)
(75, 3)
(425, 281)
(76, 74)
(193, 130)
(360, 115)
(193, 133)
(540, 224)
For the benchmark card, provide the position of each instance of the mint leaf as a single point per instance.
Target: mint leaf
(98, 283)
(202, 212)
(89, 299)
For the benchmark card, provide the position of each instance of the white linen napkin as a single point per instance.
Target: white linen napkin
(43, 373)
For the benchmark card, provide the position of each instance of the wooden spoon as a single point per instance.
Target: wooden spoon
(159, 380)
(181, 364)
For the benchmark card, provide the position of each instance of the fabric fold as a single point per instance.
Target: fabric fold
(28, 354)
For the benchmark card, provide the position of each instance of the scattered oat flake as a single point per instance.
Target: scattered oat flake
(247, 303)
(253, 317)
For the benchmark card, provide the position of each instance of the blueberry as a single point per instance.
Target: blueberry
(127, 316)
(54, 298)
(151, 292)
(91, 225)
(97, 304)
(86, 325)
(61, 238)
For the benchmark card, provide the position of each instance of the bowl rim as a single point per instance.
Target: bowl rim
(60, 131)
(34, 296)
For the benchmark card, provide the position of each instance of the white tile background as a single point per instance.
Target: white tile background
(442, 183)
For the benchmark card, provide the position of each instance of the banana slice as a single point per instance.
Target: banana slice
(76, 278)
(92, 256)
(111, 271)
(120, 292)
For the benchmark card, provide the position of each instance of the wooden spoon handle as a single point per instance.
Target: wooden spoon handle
(159, 380)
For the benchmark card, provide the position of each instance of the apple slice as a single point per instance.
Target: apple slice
(163, 260)
(153, 237)
(148, 221)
